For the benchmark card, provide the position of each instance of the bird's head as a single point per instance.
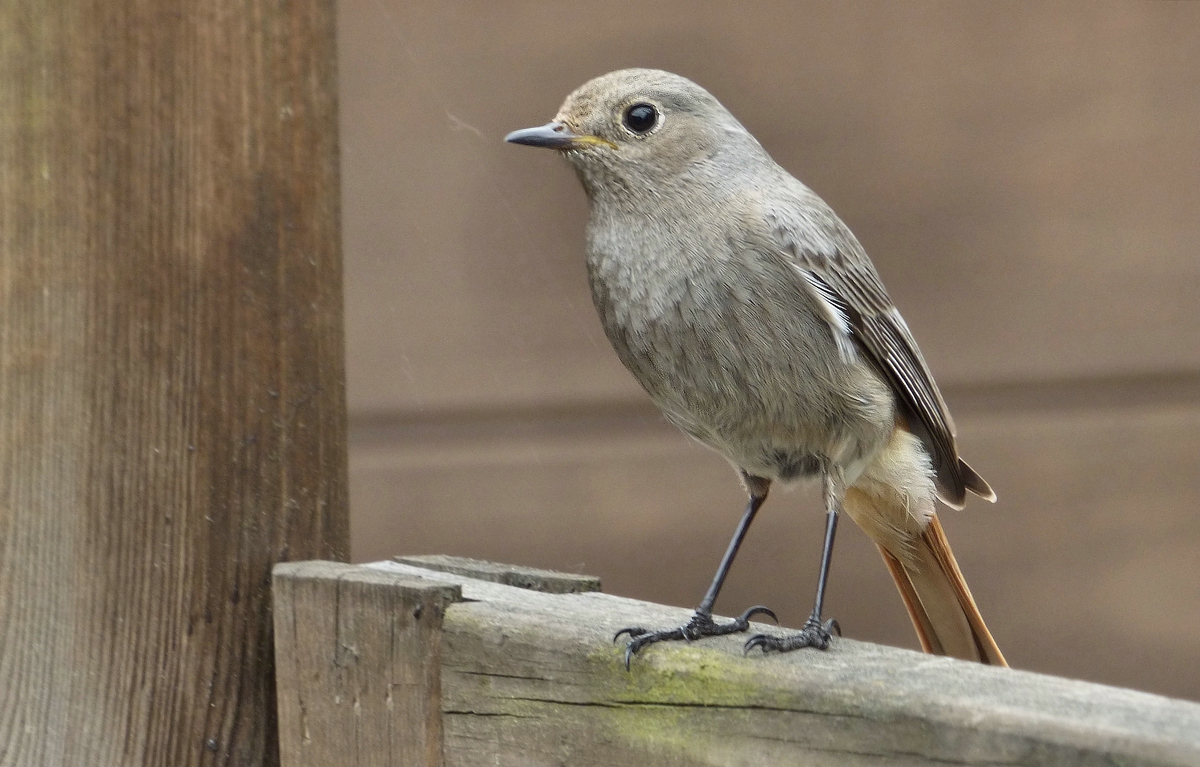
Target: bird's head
(643, 131)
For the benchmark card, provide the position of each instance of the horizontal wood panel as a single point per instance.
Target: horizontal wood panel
(1086, 566)
(1022, 174)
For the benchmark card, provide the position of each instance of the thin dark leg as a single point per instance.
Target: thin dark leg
(710, 597)
(701, 623)
(831, 520)
(815, 633)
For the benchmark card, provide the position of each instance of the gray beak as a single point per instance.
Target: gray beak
(551, 136)
(555, 135)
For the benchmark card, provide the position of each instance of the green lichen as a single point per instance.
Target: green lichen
(680, 674)
(663, 708)
(660, 705)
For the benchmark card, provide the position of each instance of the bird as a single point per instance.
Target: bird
(757, 324)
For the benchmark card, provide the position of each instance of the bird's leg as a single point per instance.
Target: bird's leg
(815, 633)
(702, 623)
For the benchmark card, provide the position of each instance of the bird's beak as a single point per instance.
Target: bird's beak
(555, 135)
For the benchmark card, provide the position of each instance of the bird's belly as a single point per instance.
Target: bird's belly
(790, 443)
(779, 421)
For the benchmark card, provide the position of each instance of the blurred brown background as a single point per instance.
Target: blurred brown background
(1026, 177)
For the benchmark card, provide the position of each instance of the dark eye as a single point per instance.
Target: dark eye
(641, 118)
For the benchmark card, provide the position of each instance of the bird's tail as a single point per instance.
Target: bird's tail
(934, 591)
(939, 602)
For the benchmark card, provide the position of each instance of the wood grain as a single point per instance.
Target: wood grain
(359, 673)
(532, 679)
(172, 416)
(1096, 526)
(533, 578)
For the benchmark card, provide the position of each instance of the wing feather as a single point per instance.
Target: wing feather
(834, 310)
(836, 268)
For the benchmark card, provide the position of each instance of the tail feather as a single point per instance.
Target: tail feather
(893, 502)
(939, 602)
(925, 632)
(975, 483)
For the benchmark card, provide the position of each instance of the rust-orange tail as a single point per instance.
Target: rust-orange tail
(938, 600)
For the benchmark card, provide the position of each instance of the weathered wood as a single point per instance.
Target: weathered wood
(172, 417)
(1059, 559)
(531, 678)
(534, 578)
(359, 664)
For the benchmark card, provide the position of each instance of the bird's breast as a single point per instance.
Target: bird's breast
(735, 352)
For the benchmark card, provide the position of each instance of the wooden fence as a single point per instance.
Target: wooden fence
(441, 661)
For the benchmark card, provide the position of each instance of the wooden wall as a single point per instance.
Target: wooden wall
(172, 401)
(1026, 177)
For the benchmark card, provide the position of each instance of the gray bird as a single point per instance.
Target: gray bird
(754, 319)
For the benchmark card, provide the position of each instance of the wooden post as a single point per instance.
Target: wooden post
(172, 415)
(359, 686)
(532, 677)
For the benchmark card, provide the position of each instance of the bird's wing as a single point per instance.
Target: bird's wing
(834, 266)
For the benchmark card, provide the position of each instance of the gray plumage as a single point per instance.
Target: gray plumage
(754, 319)
(738, 299)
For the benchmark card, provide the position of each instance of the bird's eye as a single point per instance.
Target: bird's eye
(641, 118)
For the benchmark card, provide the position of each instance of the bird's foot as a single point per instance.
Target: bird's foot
(814, 634)
(701, 625)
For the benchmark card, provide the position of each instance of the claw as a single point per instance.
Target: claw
(633, 631)
(758, 640)
(759, 610)
(832, 624)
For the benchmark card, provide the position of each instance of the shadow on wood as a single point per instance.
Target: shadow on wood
(393, 663)
(172, 394)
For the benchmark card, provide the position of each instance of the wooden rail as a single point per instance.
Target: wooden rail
(440, 661)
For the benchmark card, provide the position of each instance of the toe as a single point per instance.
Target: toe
(761, 641)
(759, 610)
